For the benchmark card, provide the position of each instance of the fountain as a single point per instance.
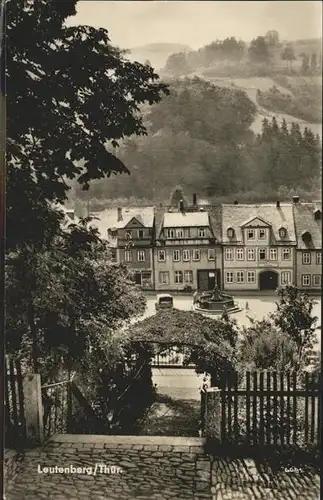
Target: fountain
(215, 303)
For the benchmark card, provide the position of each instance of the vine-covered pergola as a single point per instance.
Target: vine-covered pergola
(210, 342)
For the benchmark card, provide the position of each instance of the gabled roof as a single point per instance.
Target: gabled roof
(135, 220)
(235, 216)
(256, 221)
(305, 221)
(186, 219)
(108, 218)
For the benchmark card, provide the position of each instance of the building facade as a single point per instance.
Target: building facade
(258, 246)
(130, 236)
(308, 225)
(187, 253)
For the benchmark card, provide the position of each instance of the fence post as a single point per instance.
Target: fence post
(33, 408)
(213, 413)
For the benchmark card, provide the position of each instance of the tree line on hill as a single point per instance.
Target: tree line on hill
(199, 138)
(260, 54)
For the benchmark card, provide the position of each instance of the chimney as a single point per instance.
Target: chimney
(181, 205)
(278, 204)
(194, 199)
(119, 210)
(236, 202)
(295, 199)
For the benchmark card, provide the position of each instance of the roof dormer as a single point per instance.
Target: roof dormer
(306, 237)
(230, 232)
(317, 214)
(282, 231)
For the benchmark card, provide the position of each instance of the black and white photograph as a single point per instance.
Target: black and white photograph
(161, 249)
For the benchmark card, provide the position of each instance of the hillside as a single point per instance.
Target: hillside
(156, 53)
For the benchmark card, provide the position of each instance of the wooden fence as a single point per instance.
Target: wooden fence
(268, 408)
(15, 424)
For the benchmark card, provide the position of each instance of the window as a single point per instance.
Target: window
(186, 255)
(178, 277)
(318, 258)
(306, 258)
(179, 233)
(170, 233)
(164, 277)
(176, 256)
(196, 254)
(161, 256)
(262, 233)
(306, 279)
(282, 232)
(141, 233)
(141, 255)
(128, 255)
(230, 232)
(211, 254)
(285, 278)
(188, 276)
(239, 254)
(202, 232)
(250, 254)
(113, 254)
(251, 234)
(286, 253)
(229, 277)
(317, 279)
(146, 278)
(251, 277)
(262, 254)
(228, 254)
(273, 254)
(240, 276)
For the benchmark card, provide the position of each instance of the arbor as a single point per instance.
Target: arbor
(72, 97)
(288, 55)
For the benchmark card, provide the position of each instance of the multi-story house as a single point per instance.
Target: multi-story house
(258, 246)
(130, 236)
(308, 225)
(187, 253)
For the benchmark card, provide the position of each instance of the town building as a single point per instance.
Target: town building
(308, 225)
(187, 252)
(130, 235)
(259, 244)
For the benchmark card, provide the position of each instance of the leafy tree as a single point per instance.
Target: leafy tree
(258, 51)
(288, 55)
(272, 38)
(71, 81)
(294, 318)
(177, 64)
(265, 347)
(305, 63)
(313, 62)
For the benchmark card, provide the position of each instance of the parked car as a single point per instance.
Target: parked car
(164, 301)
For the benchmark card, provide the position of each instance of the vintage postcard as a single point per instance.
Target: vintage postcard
(161, 225)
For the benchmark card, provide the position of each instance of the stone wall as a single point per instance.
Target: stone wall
(12, 462)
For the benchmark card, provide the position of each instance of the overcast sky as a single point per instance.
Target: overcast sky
(197, 23)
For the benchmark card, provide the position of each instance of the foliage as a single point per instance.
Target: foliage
(70, 80)
(294, 318)
(265, 347)
(288, 54)
(177, 64)
(258, 50)
(305, 105)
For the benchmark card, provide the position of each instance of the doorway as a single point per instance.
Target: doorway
(268, 280)
(207, 279)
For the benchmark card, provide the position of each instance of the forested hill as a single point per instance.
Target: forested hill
(157, 53)
(199, 137)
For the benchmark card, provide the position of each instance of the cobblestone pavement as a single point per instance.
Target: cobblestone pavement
(149, 472)
(151, 468)
(245, 479)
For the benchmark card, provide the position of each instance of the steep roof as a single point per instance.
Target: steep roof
(108, 218)
(235, 216)
(186, 219)
(305, 221)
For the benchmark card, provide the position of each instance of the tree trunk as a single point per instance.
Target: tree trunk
(34, 339)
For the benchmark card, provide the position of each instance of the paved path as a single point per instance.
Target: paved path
(151, 468)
